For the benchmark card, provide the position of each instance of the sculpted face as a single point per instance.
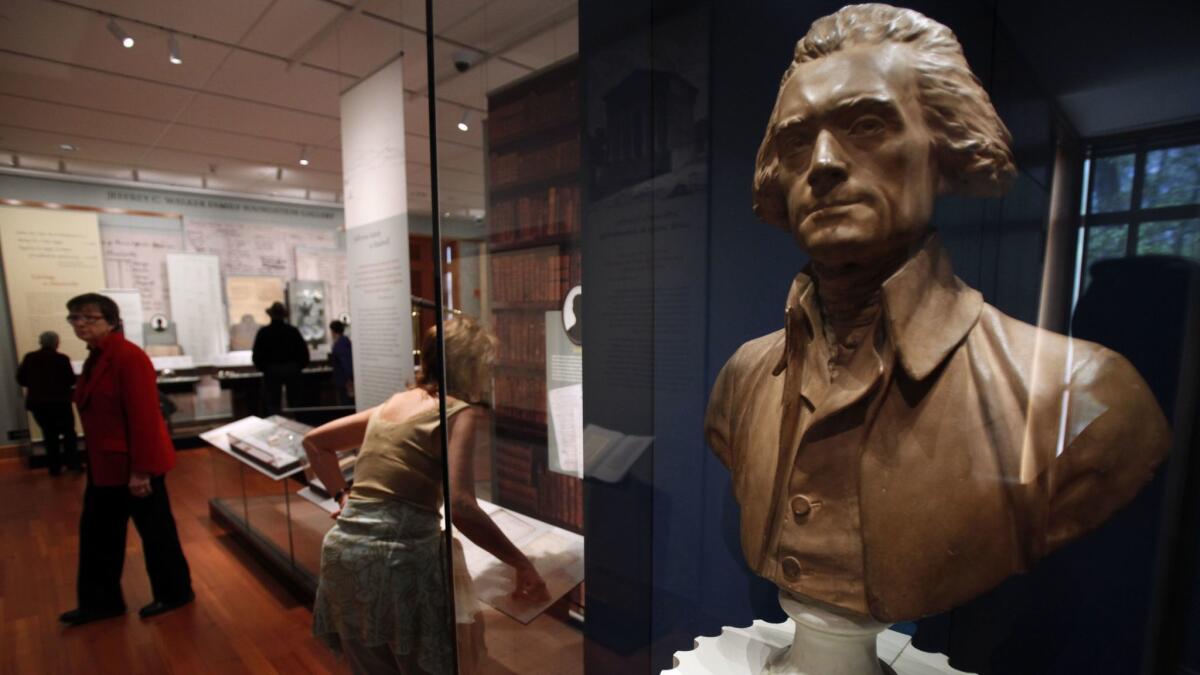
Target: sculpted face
(856, 159)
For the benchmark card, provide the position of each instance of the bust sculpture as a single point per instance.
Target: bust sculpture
(901, 446)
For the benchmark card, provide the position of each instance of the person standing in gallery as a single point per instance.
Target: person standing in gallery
(341, 357)
(280, 353)
(129, 454)
(48, 378)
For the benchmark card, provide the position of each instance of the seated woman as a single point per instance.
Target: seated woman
(382, 598)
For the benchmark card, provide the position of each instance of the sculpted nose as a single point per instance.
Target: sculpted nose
(828, 169)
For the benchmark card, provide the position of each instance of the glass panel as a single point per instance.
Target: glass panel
(1112, 183)
(508, 135)
(1103, 242)
(1172, 177)
(1170, 237)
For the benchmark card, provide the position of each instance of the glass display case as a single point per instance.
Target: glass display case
(626, 168)
(262, 494)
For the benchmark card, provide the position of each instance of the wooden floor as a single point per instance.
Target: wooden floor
(243, 621)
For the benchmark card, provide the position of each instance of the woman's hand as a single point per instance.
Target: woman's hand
(530, 586)
(340, 499)
(139, 484)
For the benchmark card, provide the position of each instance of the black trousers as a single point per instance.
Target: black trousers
(57, 419)
(102, 529)
(275, 378)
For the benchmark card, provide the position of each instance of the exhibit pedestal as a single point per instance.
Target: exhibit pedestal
(827, 643)
(813, 641)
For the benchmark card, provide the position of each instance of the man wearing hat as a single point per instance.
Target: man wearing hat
(280, 353)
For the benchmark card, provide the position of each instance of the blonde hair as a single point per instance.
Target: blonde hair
(972, 143)
(470, 352)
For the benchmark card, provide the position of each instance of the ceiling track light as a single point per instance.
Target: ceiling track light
(303, 156)
(463, 123)
(173, 53)
(115, 28)
(279, 173)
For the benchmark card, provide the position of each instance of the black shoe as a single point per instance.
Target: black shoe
(78, 617)
(158, 607)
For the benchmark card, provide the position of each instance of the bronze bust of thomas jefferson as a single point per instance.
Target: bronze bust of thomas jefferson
(901, 446)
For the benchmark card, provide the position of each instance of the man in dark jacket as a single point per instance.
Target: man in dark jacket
(280, 353)
(341, 357)
(48, 379)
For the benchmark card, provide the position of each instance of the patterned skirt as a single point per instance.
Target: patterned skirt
(383, 582)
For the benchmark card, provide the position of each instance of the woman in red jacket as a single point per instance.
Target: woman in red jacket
(129, 452)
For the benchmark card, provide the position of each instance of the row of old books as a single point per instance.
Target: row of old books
(525, 166)
(521, 397)
(561, 500)
(534, 277)
(528, 219)
(526, 485)
(533, 112)
(522, 337)
(512, 463)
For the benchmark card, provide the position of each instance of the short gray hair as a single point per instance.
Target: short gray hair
(48, 340)
(972, 142)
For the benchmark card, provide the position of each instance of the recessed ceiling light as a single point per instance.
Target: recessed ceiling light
(173, 53)
(67, 147)
(119, 33)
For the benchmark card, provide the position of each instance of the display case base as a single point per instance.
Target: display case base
(281, 565)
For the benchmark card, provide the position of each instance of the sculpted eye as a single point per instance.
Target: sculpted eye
(794, 145)
(867, 126)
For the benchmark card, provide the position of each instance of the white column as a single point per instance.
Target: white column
(375, 194)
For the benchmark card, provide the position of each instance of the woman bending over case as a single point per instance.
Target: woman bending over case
(382, 599)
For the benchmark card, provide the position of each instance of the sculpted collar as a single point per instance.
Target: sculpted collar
(927, 311)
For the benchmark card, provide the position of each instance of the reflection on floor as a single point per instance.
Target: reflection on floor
(243, 621)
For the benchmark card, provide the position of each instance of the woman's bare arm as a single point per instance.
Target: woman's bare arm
(323, 443)
(467, 515)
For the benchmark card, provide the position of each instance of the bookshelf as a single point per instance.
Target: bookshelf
(533, 191)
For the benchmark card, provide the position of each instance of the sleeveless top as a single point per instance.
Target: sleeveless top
(403, 460)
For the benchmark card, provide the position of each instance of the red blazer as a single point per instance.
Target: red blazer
(117, 397)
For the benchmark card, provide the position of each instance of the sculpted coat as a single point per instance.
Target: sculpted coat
(973, 445)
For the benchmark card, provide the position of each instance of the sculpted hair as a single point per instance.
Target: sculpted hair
(470, 351)
(972, 143)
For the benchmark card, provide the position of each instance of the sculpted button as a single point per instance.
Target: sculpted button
(800, 506)
(791, 568)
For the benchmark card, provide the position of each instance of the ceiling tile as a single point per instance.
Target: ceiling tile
(360, 45)
(43, 143)
(255, 119)
(68, 84)
(289, 24)
(57, 118)
(258, 78)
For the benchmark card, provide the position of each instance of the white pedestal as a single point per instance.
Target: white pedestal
(814, 641)
(827, 643)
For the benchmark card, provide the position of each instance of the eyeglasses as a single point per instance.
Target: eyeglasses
(84, 318)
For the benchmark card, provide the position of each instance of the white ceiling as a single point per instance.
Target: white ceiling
(259, 80)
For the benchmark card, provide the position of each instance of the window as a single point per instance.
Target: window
(1142, 200)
